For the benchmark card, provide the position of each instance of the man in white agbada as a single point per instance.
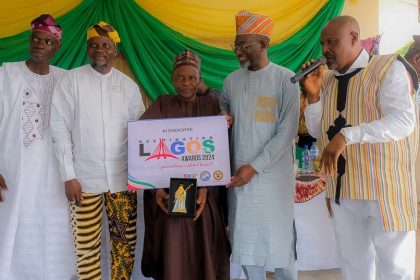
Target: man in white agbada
(265, 106)
(35, 237)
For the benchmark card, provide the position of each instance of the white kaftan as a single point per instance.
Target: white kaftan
(89, 126)
(35, 237)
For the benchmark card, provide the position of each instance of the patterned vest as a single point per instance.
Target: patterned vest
(384, 171)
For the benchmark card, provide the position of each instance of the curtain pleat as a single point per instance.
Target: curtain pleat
(149, 45)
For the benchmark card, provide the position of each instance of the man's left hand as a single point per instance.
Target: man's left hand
(242, 176)
(329, 157)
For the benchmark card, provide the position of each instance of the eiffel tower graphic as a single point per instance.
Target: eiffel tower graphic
(161, 151)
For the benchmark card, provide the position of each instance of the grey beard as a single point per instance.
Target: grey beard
(98, 67)
(246, 64)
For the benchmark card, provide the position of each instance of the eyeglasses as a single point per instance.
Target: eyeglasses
(242, 47)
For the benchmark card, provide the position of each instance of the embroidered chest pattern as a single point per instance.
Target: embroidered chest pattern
(35, 110)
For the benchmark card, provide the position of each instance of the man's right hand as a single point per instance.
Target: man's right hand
(242, 176)
(3, 187)
(229, 118)
(312, 82)
(73, 191)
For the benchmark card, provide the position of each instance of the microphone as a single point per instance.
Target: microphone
(299, 76)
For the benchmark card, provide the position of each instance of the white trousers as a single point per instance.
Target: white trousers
(255, 272)
(365, 249)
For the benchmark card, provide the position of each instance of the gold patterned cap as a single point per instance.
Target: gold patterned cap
(103, 29)
(249, 23)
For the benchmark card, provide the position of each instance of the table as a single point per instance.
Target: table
(308, 186)
(316, 248)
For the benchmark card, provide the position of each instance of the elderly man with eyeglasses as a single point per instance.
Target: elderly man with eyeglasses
(265, 106)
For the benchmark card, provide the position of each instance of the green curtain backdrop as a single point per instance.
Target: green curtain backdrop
(149, 46)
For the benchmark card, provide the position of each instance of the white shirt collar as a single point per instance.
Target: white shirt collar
(361, 62)
(99, 75)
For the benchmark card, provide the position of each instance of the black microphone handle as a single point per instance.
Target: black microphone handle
(299, 76)
(296, 78)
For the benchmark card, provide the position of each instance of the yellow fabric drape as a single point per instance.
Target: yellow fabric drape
(213, 22)
(17, 14)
